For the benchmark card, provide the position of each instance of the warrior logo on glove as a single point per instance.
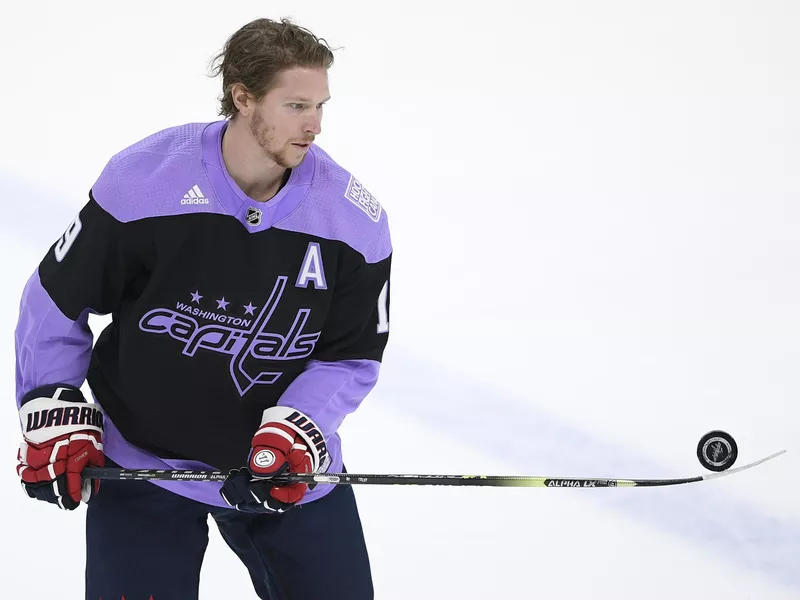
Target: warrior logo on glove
(71, 415)
(286, 441)
(62, 434)
(264, 458)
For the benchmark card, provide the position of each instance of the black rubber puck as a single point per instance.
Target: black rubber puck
(717, 451)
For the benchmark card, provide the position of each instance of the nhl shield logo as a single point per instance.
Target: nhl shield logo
(253, 216)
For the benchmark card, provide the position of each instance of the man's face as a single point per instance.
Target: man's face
(289, 117)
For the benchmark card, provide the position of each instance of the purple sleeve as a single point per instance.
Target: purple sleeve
(50, 347)
(85, 272)
(345, 367)
(329, 391)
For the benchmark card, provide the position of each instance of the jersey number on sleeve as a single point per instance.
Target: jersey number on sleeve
(65, 243)
(383, 309)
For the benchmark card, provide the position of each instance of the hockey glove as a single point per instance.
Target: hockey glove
(62, 434)
(287, 441)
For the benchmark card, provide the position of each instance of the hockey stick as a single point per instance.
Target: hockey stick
(469, 480)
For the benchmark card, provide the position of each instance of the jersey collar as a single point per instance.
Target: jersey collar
(254, 215)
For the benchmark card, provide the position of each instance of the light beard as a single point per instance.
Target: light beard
(265, 138)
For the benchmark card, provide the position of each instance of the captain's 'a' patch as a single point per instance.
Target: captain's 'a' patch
(312, 271)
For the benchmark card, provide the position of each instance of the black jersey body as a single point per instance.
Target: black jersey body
(221, 306)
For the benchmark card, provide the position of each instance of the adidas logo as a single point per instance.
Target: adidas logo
(194, 196)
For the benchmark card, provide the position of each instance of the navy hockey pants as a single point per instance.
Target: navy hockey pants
(143, 541)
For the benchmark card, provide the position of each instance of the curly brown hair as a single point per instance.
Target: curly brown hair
(259, 51)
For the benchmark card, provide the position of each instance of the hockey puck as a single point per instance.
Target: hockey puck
(717, 451)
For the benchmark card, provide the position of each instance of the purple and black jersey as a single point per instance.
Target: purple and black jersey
(222, 306)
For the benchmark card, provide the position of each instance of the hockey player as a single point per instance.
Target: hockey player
(247, 275)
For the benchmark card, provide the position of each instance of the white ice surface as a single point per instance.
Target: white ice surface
(595, 211)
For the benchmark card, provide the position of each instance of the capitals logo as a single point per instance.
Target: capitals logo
(240, 344)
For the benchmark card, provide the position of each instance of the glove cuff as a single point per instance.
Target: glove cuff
(59, 391)
(306, 429)
(51, 411)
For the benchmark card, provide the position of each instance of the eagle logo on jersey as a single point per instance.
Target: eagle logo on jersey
(254, 342)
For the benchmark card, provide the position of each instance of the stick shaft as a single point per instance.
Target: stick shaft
(441, 480)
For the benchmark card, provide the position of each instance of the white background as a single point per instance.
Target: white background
(595, 217)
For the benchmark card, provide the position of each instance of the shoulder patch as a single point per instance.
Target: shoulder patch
(326, 211)
(358, 195)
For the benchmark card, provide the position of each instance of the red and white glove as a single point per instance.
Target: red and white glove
(286, 441)
(62, 434)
